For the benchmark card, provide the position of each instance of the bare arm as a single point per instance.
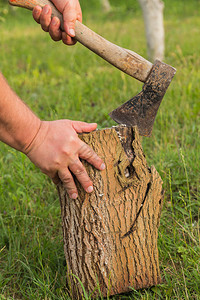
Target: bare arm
(53, 146)
(18, 125)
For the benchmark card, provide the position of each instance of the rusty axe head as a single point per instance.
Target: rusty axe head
(141, 110)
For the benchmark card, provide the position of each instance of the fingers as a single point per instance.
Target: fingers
(54, 29)
(59, 157)
(68, 182)
(65, 176)
(88, 154)
(36, 13)
(43, 17)
(69, 17)
(76, 168)
(79, 171)
(83, 126)
(71, 13)
(67, 39)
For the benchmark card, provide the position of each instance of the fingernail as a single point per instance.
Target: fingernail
(37, 11)
(72, 32)
(102, 167)
(74, 196)
(46, 10)
(89, 189)
(54, 21)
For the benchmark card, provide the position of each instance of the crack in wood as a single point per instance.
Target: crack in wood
(126, 140)
(133, 226)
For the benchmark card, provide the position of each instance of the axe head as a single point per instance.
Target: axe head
(141, 110)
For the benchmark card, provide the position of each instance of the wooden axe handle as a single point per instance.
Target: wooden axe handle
(128, 61)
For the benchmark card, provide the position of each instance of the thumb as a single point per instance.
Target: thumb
(80, 127)
(69, 18)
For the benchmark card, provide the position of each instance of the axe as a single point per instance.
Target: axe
(141, 110)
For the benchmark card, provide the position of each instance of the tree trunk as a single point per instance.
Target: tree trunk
(106, 5)
(110, 235)
(153, 19)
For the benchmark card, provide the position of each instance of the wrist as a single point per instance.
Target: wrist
(27, 142)
(38, 138)
(24, 135)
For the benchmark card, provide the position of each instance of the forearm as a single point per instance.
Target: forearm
(18, 124)
(53, 146)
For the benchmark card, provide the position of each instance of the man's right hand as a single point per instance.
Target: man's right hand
(71, 12)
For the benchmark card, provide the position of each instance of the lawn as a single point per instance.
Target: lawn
(58, 82)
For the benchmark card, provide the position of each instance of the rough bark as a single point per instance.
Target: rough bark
(153, 19)
(110, 236)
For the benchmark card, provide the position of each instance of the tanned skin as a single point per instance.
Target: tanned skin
(53, 146)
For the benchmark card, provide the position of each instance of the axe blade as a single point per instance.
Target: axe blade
(141, 110)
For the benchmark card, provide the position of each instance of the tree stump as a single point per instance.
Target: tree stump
(110, 235)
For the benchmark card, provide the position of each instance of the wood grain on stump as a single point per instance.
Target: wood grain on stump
(110, 235)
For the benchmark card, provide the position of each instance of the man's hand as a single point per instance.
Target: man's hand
(54, 146)
(71, 12)
(57, 150)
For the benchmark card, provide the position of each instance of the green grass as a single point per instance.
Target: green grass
(57, 81)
